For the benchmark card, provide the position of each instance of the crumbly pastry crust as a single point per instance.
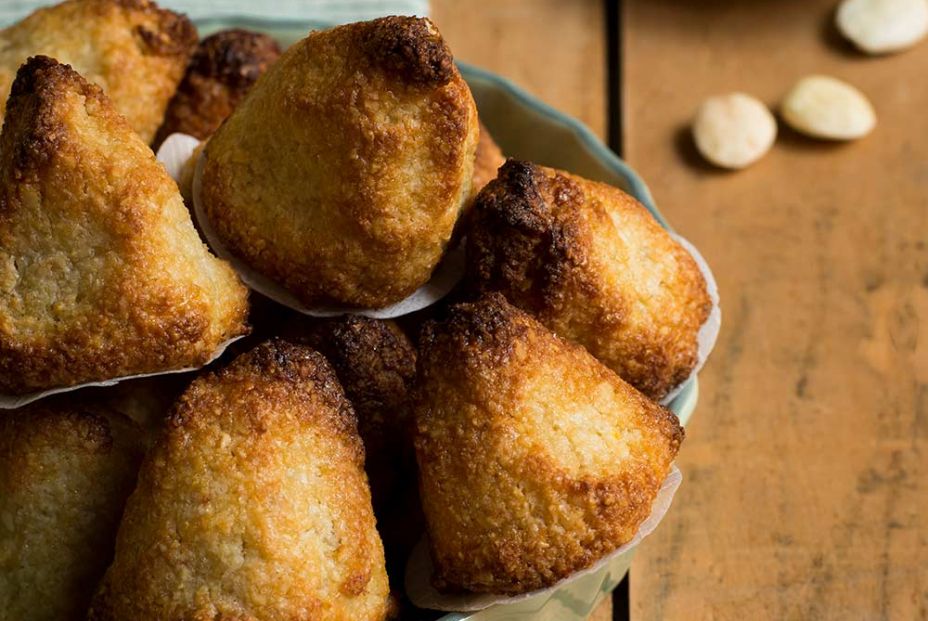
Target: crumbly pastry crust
(535, 460)
(66, 469)
(342, 173)
(224, 67)
(136, 51)
(376, 365)
(102, 274)
(594, 266)
(253, 504)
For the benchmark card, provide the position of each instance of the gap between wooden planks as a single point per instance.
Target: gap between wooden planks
(804, 493)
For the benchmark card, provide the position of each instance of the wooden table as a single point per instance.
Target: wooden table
(804, 493)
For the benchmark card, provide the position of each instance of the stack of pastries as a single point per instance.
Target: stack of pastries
(517, 424)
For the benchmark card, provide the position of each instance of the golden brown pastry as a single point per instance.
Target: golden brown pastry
(595, 267)
(253, 504)
(101, 271)
(535, 460)
(342, 173)
(134, 50)
(224, 67)
(66, 469)
(376, 364)
(488, 159)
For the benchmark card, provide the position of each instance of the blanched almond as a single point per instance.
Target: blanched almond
(882, 26)
(825, 107)
(733, 130)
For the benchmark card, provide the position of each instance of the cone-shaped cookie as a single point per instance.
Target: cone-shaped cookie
(594, 266)
(102, 274)
(253, 504)
(535, 460)
(66, 470)
(342, 173)
(134, 50)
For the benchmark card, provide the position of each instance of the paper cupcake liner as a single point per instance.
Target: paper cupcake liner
(177, 150)
(11, 402)
(709, 331)
(419, 569)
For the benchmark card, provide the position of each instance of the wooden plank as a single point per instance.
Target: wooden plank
(804, 494)
(554, 49)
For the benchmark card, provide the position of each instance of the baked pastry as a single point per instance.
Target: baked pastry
(595, 267)
(66, 469)
(342, 173)
(253, 504)
(224, 67)
(487, 161)
(133, 49)
(102, 274)
(535, 460)
(376, 364)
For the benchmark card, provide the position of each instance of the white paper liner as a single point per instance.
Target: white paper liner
(419, 569)
(709, 331)
(178, 148)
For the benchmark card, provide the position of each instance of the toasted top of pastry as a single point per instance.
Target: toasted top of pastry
(102, 274)
(224, 67)
(66, 469)
(535, 460)
(253, 504)
(593, 265)
(376, 364)
(342, 173)
(134, 50)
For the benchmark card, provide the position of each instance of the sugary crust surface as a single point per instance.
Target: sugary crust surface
(594, 266)
(376, 364)
(66, 469)
(101, 271)
(224, 67)
(134, 50)
(535, 460)
(342, 173)
(253, 504)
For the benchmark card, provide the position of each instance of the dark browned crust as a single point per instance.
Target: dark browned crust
(411, 48)
(281, 370)
(529, 236)
(175, 34)
(31, 133)
(224, 67)
(471, 365)
(376, 365)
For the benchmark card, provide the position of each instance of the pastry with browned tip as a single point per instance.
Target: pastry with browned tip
(66, 469)
(343, 172)
(252, 504)
(535, 460)
(133, 49)
(102, 274)
(593, 265)
(224, 67)
(376, 365)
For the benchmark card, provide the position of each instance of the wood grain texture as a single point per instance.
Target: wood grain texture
(555, 49)
(804, 492)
